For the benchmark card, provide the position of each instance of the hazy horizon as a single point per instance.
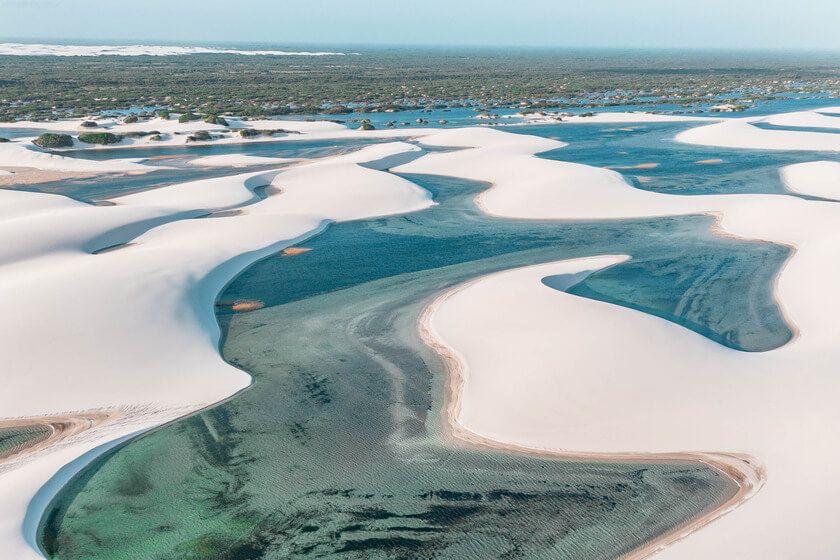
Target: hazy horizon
(415, 46)
(600, 24)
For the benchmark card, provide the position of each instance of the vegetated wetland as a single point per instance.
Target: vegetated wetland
(396, 79)
(337, 449)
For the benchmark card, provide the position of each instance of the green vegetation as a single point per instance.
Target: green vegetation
(337, 110)
(100, 138)
(388, 80)
(130, 119)
(201, 135)
(51, 141)
(136, 134)
(187, 117)
(164, 115)
(254, 132)
(213, 119)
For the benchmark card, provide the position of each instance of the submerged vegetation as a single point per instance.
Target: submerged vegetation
(390, 80)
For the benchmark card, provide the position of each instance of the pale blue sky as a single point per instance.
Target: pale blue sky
(725, 24)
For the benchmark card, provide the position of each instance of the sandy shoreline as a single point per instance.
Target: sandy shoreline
(61, 427)
(745, 474)
(33, 175)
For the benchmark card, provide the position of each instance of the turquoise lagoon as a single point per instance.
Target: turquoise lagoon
(336, 449)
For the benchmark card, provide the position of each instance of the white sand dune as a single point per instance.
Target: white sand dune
(171, 125)
(816, 178)
(821, 118)
(133, 328)
(174, 133)
(238, 160)
(614, 117)
(40, 49)
(548, 370)
(741, 133)
(22, 153)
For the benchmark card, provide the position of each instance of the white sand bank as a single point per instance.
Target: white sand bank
(816, 178)
(613, 117)
(41, 49)
(22, 153)
(812, 119)
(544, 369)
(741, 133)
(170, 125)
(133, 328)
(238, 160)
(174, 133)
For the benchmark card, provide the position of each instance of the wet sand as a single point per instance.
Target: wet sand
(60, 427)
(32, 176)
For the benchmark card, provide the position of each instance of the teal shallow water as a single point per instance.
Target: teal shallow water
(335, 452)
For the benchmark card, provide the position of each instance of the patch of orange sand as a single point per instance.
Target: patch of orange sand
(640, 166)
(247, 305)
(291, 251)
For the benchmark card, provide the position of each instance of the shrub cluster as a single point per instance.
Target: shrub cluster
(213, 119)
(253, 132)
(201, 135)
(50, 140)
(100, 138)
(187, 117)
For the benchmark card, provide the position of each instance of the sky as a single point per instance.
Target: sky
(710, 24)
